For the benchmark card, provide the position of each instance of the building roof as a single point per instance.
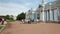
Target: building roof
(53, 5)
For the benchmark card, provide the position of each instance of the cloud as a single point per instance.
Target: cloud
(12, 8)
(15, 7)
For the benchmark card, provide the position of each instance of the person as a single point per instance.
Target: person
(0, 21)
(3, 21)
(29, 22)
(22, 21)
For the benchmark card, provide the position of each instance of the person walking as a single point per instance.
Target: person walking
(3, 21)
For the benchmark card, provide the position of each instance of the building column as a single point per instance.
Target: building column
(43, 12)
(51, 15)
(47, 15)
(27, 16)
(55, 15)
(58, 13)
(35, 17)
(43, 19)
(41, 16)
(32, 16)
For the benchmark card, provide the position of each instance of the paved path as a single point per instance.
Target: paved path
(18, 28)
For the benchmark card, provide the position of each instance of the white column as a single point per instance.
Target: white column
(55, 15)
(43, 9)
(47, 15)
(32, 17)
(41, 16)
(58, 13)
(26, 17)
(51, 15)
(43, 12)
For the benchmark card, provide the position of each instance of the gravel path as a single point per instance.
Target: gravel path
(17, 28)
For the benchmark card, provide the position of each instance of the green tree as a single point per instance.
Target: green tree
(7, 16)
(21, 16)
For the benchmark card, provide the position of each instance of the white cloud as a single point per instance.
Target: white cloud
(12, 8)
(17, 6)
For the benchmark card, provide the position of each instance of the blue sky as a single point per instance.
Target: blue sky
(15, 7)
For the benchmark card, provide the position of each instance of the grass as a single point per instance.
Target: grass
(9, 20)
(0, 27)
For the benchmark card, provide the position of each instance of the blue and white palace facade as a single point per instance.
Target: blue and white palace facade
(45, 12)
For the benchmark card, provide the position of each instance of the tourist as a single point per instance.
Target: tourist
(22, 21)
(0, 21)
(3, 19)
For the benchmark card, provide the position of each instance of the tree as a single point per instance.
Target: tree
(7, 16)
(21, 16)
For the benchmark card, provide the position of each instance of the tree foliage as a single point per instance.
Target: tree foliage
(21, 16)
(7, 16)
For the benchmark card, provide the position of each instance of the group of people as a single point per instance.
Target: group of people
(22, 21)
(29, 21)
(2, 20)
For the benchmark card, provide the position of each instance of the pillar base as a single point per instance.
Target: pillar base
(57, 22)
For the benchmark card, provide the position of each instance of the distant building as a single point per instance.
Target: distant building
(29, 14)
(14, 17)
(49, 12)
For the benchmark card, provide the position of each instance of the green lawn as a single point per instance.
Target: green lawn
(9, 20)
(0, 27)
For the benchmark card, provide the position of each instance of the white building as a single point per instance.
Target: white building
(49, 12)
(29, 14)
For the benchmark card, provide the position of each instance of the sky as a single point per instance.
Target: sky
(15, 7)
